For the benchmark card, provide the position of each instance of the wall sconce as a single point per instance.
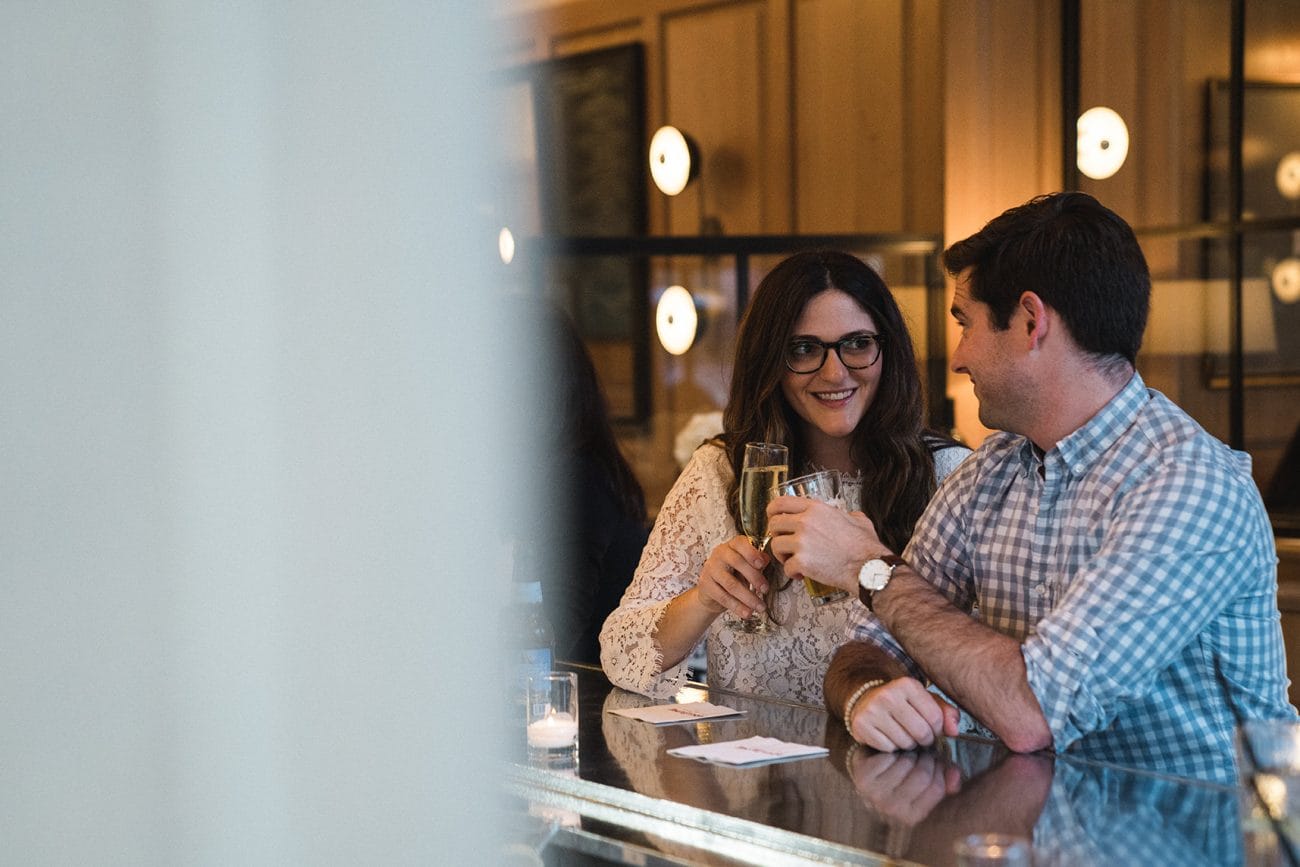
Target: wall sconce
(676, 320)
(1288, 175)
(1285, 280)
(674, 160)
(1103, 142)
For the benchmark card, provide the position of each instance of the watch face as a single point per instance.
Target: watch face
(875, 574)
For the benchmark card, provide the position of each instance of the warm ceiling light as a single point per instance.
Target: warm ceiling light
(1288, 175)
(1103, 142)
(506, 245)
(674, 160)
(676, 320)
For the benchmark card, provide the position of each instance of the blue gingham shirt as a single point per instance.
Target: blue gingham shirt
(1136, 564)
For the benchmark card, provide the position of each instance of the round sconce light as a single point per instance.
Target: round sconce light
(1286, 280)
(676, 320)
(506, 245)
(674, 160)
(1103, 142)
(1288, 175)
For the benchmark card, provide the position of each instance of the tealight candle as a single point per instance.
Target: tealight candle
(552, 717)
(553, 731)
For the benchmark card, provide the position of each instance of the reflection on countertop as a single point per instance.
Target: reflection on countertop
(630, 801)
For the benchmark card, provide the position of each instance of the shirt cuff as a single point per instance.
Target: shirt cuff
(1061, 665)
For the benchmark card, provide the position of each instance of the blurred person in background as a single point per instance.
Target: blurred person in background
(600, 528)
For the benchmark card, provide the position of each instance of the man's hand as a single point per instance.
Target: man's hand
(816, 540)
(901, 715)
(904, 787)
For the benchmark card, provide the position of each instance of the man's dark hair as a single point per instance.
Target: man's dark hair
(1077, 255)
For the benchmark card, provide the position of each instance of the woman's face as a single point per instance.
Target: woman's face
(832, 400)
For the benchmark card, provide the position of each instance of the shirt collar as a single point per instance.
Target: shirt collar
(1081, 448)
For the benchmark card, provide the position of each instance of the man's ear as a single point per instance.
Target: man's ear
(1037, 318)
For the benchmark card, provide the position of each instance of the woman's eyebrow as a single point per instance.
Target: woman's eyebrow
(863, 332)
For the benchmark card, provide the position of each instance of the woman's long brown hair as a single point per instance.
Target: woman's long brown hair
(889, 447)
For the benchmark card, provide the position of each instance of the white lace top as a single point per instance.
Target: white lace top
(788, 661)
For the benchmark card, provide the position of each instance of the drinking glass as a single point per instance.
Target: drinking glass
(823, 486)
(993, 850)
(766, 466)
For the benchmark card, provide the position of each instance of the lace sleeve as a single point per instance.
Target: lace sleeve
(693, 520)
(948, 459)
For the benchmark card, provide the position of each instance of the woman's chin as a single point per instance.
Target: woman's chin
(836, 430)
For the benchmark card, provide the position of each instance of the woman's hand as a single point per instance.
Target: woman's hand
(732, 578)
(901, 715)
(819, 541)
(723, 585)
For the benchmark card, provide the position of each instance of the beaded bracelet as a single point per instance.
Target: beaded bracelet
(853, 699)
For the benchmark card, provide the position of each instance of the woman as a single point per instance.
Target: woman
(824, 365)
(603, 527)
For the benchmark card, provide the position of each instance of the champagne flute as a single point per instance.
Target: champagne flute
(766, 466)
(823, 486)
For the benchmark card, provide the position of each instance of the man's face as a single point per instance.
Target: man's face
(985, 354)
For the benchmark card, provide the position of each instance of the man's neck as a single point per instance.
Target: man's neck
(1074, 397)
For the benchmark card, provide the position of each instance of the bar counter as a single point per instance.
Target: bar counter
(630, 802)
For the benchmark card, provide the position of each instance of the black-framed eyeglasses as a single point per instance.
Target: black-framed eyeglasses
(806, 355)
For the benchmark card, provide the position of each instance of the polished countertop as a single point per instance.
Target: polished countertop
(629, 801)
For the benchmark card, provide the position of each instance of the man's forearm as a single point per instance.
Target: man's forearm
(978, 667)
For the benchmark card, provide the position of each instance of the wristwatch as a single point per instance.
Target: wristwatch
(874, 576)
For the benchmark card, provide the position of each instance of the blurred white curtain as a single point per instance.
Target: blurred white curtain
(243, 251)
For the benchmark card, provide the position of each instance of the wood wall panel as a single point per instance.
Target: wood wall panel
(848, 75)
(923, 123)
(1169, 148)
(1001, 128)
(776, 182)
(1150, 62)
(713, 72)
(1110, 43)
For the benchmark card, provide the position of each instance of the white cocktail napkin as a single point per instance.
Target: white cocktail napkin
(668, 714)
(749, 751)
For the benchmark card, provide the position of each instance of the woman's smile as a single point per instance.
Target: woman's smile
(835, 398)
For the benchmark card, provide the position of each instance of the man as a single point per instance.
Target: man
(1101, 575)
